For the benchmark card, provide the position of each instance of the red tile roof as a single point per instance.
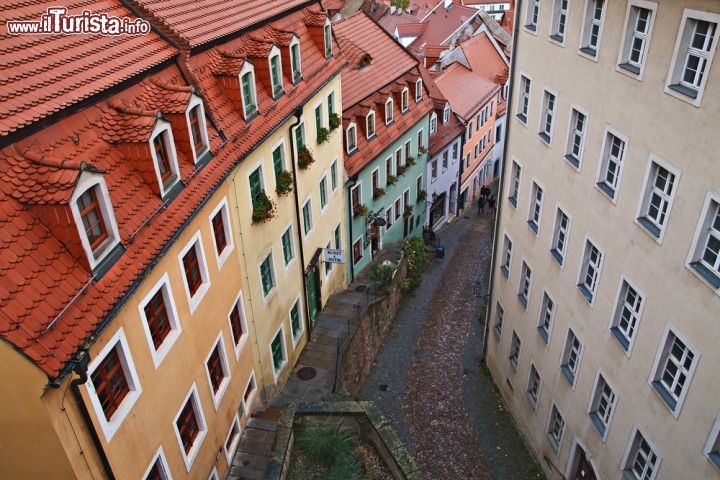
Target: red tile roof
(198, 22)
(49, 301)
(411, 29)
(441, 24)
(445, 132)
(43, 74)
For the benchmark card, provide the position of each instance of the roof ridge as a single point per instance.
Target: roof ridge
(40, 158)
(124, 108)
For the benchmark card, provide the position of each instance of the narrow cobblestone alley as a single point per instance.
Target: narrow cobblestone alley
(428, 380)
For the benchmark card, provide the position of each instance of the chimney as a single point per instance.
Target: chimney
(448, 4)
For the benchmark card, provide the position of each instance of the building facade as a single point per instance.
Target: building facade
(606, 271)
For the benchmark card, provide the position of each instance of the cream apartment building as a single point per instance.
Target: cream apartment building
(603, 317)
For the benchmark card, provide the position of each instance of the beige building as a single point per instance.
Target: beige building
(602, 327)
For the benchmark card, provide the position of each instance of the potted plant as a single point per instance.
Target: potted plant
(305, 158)
(392, 180)
(263, 208)
(283, 182)
(408, 211)
(402, 169)
(422, 150)
(360, 210)
(421, 195)
(334, 121)
(410, 160)
(378, 192)
(323, 135)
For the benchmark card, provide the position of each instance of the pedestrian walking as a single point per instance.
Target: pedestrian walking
(491, 204)
(481, 205)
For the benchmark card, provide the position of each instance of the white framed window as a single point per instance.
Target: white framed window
(548, 117)
(536, 203)
(506, 256)
(404, 100)
(197, 127)
(592, 27)
(561, 231)
(278, 352)
(555, 428)
(194, 271)
(334, 175)
(611, 163)
(320, 131)
(657, 197)
(248, 91)
(249, 394)
(370, 124)
(571, 356)
(94, 216)
(712, 446)
(297, 326)
(351, 138)
(524, 103)
(232, 440)
(238, 324)
(533, 386)
(693, 55)
(190, 427)
(267, 275)
(288, 245)
(499, 317)
(433, 123)
(164, 155)
(446, 114)
(514, 187)
(639, 20)
(673, 369)
(704, 256)
(514, 355)
(214, 474)
(113, 384)
(602, 405)
(525, 284)
(590, 269)
(627, 310)
(641, 461)
(547, 315)
(158, 468)
(418, 90)
(307, 217)
(221, 232)
(217, 370)
(295, 59)
(327, 36)
(322, 190)
(559, 20)
(388, 111)
(576, 137)
(531, 15)
(160, 320)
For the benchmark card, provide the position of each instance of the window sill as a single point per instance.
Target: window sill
(545, 137)
(498, 332)
(531, 28)
(523, 300)
(569, 376)
(522, 118)
(601, 428)
(587, 294)
(533, 226)
(557, 39)
(573, 160)
(513, 201)
(543, 334)
(557, 256)
(650, 227)
(683, 90)
(607, 190)
(589, 52)
(630, 70)
(504, 270)
(665, 395)
(706, 274)
(621, 338)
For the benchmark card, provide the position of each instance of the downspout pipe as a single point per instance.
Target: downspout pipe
(81, 369)
(508, 124)
(350, 183)
(294, 153)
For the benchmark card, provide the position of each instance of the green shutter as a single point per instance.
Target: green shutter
(295, 320)
(277, 160)
(255, 184)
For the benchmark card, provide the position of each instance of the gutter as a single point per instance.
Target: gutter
(499, 203)
(351, 261)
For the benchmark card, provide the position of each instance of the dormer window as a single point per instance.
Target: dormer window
(295, 60)
(418, 90)
(351, 137)
(446, 114)
(404, 96)
(164, 156)
(198, 128)
(388, 111)
(249, 95)
(433, 123)
(276, 73)
(370, 124)
(94, 217)
(327, 33)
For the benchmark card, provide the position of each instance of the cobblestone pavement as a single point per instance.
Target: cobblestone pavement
(428, 379)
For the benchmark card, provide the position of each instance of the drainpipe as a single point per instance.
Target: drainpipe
(350, 224)
(81, 369)
(499, 203)
(460, 170)
(294, 153)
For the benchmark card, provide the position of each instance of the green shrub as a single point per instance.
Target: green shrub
(326, 444)
(415, 253)
(383, 275)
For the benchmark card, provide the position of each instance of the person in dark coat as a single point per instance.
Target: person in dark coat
(481, 205)
(491, 204)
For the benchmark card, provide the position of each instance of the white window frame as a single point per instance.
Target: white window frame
(547, 118)
(585, 266)
(446, 114)
(506, 255)
(418, 90)
(525, 286)
(620, 305)
(288, 230)
(334, 176)
(389, 114)
(229, 453)
(110, 427)
(559, 26)
(267, 296)
(278, 371)
(247, 402)
(195, 242)
(164, 468)
(670, 400)
(222, 209)
(433, 123)
(611, 191)
(575, 160)
(85, 182)
(323, 192)
(243, 320)
(535, 207)
(590, 21)
(296, 338)
(351, 138)
(327, 38)
(308, 204)
(533, 399)
(674, 85)
(558, 254)
(196, 101)
(649, 191)
(217, 397)
(362, 250)
(248, 110)
(173, 319)
(296, 76)
(370, 121)
(164, 129)
(276, 90)
(192, 396)
(624, 64)
(499, 317)
(404, 100)
(712, 446)
(524, 95)
(214, 474)
(515, 350)
(555, 443)
(571, 374)
(703, 232)
(514, 182)
(631, 452)
(602, 423)
(546, 318)
(532, 16)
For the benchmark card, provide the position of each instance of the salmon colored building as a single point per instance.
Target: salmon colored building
(141, 324)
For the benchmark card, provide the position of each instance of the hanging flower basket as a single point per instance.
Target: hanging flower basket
(305, 158)
(378, 192)
(422, 150)
(263, 208)
(323, 135)
(360, 210)
(392, 180)
(421, 195)
(334, 121)
(283, 182)
(410, 160)
(402, 169)
(408, 211)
